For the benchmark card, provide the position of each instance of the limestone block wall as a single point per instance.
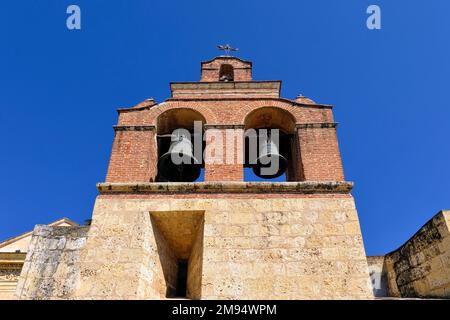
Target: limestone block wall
(303, 248)
(51, 269)
(253, 246)
(121, 258)
(421, 267)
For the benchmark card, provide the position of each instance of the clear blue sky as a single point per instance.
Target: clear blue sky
(59, 90)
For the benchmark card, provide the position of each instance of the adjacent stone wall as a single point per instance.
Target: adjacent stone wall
(51, 269)
(421, 267)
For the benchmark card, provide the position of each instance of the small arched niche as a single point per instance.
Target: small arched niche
(226, 73)
(168, 122)
(261, 121)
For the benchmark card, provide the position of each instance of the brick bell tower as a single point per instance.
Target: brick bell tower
(158, 233)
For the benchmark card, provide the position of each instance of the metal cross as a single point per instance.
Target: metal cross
(227, 48)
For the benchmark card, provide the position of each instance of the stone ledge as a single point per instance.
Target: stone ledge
(270, 84)
(309, 187)
(12, 260)
(316, 125)
(134, 128)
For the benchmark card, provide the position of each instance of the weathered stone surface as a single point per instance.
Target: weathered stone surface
(51, 269)
(303, 187)
(420, 267)
(249, 248)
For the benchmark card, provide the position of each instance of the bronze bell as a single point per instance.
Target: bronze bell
(270, 163)
(179, 163)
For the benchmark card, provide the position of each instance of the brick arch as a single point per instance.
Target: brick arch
(176, 118)
(300, 113)
(208, 115)
(270, 117)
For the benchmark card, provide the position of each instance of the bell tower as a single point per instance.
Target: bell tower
(176, 218)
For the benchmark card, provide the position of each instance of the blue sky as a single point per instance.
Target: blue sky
(59, 90)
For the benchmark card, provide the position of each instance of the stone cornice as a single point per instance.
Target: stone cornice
(228, 126)
(229, 84)
(225, 98)
(320, 125)
(134, 128)
(304, 187)
(12, 260)
(11, 266)
(146, 104)
(132, 109)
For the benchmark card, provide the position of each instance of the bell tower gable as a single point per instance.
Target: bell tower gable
(226, 69)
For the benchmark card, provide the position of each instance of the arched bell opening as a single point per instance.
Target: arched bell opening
(270, 148)
(226, 73)
(180, 145)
